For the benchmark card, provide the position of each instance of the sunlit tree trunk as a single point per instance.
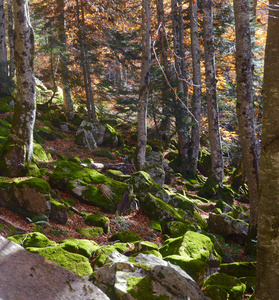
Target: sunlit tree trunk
(196, 98)
(64, 70)
(144, 86)
(85, 63)
(17, 151)
(217, 164)
(11, 39)
(3, 48)
(245, 107)
(267, 277)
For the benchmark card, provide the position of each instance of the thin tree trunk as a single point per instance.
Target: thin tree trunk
(267, 277)
(11, 39)
(196, 98)
(16, 153)
(217, 164)
(144, 87)
(3, 47)
(65, 78)
(245, 108)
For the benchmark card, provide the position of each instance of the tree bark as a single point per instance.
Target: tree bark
(64, 70)
(217, 164)
(144, 87)
(3, 49)
(11, 39)
(196, 98)
(267, 277)
(16, 153)
(244, 108)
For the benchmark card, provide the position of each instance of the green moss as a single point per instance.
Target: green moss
(4, 128)
(103, 153)
(210, 187)
(141, 288)
(155, 225)
(159, 210)
(76, 263)
(90, 232)
(79, 246)
(176, 228)
(229, 286)
(18, 239)
(125, 236)
(143, 183)
(98, 220)
(39, 153)
(33, 239)
(36, 183)
(239, 269)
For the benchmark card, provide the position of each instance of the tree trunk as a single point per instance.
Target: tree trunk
(196, 98)
(85, 64)
(3, 52)
(11, 39)
(217, 164)
(17, 151)
(244, 108)
(64, 70)
(144, 87)
(267, 277)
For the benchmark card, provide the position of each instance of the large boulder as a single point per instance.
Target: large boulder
(90, 186)
(90, 134)
(38, 278)
(26, 196)
(228, 227)
(145, 277)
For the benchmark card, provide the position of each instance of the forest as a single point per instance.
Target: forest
(139, 139)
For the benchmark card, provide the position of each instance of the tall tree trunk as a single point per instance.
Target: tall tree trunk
(244, 108)
(3, 52)
(267, 277)
(17, 151)
(144, 87)
(217, 164)
(85, 64)
(180, 110)
(64, 70)
(196, 98)
(11, 39)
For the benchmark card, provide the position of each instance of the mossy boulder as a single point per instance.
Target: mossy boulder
(111, 136)
(27, 196)
(58, 213)
(125, 236)
(98, 221)
(239, 269)
(210, 188)
(90, 232)
(157, 210)
(155, 225)
(39, 154)
(221, 286)
(79, 246)
(183, 202)
(143, 183)
(175, 228)
(76, 263)
(117, 175)
(89, 185)
(192, 245)
(33, 239)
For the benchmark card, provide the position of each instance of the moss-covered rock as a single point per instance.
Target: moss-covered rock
(239, 269)
(111, 136)
(58, 212)
(33, 239)
(204, 163)
(210, 187)
(221, 286)
(39, 154)
(90, 232)
(76, 263)
(117, 175)
(97, 220)
(26, 196)
(155, 225)
(125, 236)
(158, 210)
(191, 245)
(175, 228)
(89, 185)
(79, 246)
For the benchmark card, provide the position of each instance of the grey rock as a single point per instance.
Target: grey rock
(228, 227)
(25, 275)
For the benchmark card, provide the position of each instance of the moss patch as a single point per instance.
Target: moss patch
(79, 246)
(126, 236)
(90, 232)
